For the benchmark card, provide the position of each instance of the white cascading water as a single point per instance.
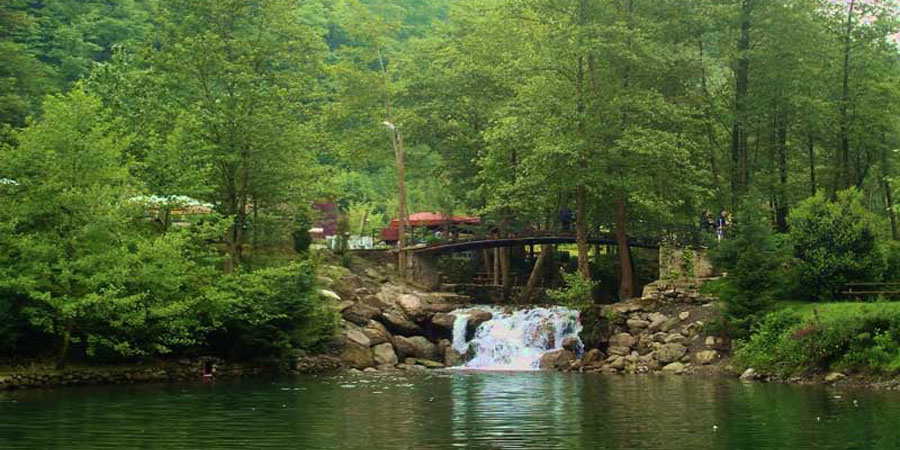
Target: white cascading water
(514, 339)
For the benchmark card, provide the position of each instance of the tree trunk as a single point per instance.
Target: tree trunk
(506, 277)
(626, 281)
(886, 185)
(740, 169)
(62, 360)
(844, 151)
(536, 274)
(581, 233)
(812, 164)
(781, 143)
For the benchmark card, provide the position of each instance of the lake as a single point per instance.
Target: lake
(453, 409)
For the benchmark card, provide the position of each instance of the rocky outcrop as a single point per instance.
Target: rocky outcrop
(663, 331)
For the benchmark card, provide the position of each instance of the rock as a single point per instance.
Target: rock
(657, 320)
(684, 315)
(443, 321)
(415, 347)
(834, 377)
(384, 354)
(749, 375)
(617, 350)
(330, 295)
(358, 337)
(675, 367)
(377, 333)
(452, 357)
(668, 325)
(397, 323)
(357, 356)
(374, 301)
(675, 338)
(571, 344)
(593, 358)
(476, 318)
(670, 353)
(706, 357)
(344, 305)
(429, 363)
(413, 306)
(557, 359)
(618, 363)
(370, 370)
(637, 324)
(360, 313)
(714, 342)
(434, 308)
(621, 340)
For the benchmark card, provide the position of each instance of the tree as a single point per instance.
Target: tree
(239, 76)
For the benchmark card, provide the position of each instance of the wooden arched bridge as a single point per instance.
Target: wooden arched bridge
(485, 242)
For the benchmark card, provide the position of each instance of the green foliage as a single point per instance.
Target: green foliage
(785, 343)
(269, 312)
(756, 263)
(576, 294)
(835, 243)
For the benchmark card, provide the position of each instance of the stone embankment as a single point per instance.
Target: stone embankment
(661, 332)
(394, 326)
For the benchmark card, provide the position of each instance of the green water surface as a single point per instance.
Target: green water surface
(445, 410)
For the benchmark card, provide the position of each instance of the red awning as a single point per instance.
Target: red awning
(427, 219)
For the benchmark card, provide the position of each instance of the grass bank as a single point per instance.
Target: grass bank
(805, 339)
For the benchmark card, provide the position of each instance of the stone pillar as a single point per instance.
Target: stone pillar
(425, 271)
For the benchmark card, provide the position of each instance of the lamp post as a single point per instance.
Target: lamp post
(397, 143)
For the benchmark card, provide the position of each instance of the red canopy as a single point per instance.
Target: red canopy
(427, 219)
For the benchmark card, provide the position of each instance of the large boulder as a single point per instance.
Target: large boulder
(593, 358)
(557, 359)
(621, 340)
(670, 353)
(618, 350)
(571, 344)
(637, 324)
(377, 333)
(443, 321)
(413, 306)
(357, 356)
(415, 347)
(398, 323)
(706, 357)
(476, 318)
(675, 367)
(452, 357)
(374, 301)
(359, 337)
(384, 354)
(360, 313)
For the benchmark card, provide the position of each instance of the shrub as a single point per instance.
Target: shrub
(867, 340)
(576, 294)
(835, 243)
(756, 261)
(269, 312)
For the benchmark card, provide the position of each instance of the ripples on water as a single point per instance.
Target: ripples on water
(441, 410)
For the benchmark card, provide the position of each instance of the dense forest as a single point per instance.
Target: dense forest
(636, 114)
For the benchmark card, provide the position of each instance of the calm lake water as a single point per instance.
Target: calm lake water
(442, 410)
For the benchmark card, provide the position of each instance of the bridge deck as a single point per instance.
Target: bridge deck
(485, 243)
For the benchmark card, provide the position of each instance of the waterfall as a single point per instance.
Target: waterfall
(514, 339)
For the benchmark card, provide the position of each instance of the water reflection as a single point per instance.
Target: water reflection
(439, 410)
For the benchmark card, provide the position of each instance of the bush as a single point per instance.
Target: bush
(756, 261)
(269, 312)
(577, 293)
(835, 243)
(866, 341)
